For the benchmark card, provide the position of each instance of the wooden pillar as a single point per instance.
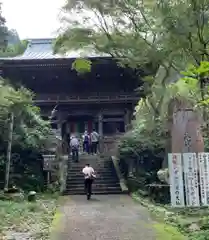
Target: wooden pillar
(100, 124)
(89, 126)
(127, 119)
(100, 131)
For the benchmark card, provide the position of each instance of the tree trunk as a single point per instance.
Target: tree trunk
(9, 149)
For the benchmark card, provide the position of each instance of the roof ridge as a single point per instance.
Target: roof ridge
(31, 39)
(42, 48)
(41, 41)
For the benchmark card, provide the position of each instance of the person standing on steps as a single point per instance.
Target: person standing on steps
(89, 176)
(86, 142)
(74, 145)
(94, 141)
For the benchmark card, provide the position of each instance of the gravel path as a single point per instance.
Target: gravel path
(111, 217)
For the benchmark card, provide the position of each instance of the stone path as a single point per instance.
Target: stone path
(111, 217)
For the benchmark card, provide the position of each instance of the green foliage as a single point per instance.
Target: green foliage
(137, 147)
(138, 32)
(30, 134)
(200, 235)
(29, 128)
(147, 142)
(82, 65)
(3, 30)
(24, 217)
(14, 50)
(167, 232)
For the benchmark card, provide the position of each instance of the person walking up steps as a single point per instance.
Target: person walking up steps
(86, 142)
(94, 141)
(74, 145)
(89, 177)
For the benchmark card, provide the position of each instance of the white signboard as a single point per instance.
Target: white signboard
(48, 160)
(191, 179)
(176, 180)
(203, 159)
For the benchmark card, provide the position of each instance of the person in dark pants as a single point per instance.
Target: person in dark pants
(94, 141)
(86, 142)
(74, 145)
(89, 176)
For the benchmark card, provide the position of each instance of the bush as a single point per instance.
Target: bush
(147, 159)
(26, 169)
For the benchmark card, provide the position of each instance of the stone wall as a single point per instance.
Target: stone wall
(110, 145)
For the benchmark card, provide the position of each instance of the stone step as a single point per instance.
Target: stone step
(82, 164)
(102, 178)
(83, 157)
(77, 165)
(99, 192)
(98, 181)
(97, 169)
(93, 164)
(80, 190)
(94, 186)
(98, 175)
(106, 182)
(101, 170)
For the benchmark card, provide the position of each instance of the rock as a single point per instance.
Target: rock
(32, 196)
(169, 214)
(194, 227)
(163, 175)
(12, 235)
(17, 197)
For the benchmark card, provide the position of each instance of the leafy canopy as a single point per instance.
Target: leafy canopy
(138, 32)
(29, 128)
(169, 34)
(14, 49)
(3, 30)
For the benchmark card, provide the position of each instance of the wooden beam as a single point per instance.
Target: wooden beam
(113, 119)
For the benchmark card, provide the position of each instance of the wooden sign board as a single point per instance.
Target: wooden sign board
(48, 160)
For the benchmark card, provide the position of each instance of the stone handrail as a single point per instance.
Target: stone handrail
(63, 172)
(119, 174)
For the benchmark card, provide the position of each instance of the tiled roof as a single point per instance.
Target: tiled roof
(43, 49)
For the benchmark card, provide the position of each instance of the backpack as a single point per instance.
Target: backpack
(86, 138)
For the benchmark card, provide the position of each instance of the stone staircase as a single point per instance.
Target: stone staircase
(106, 182)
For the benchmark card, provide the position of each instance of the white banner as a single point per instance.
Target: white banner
(202, 169)
(176, 180)
(206, 156)
(191, 179)
(203, 159)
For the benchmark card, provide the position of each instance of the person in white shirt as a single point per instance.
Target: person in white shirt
(89, 176)
(94, 141)
(74, 145)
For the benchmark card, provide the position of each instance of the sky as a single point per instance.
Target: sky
(33, 18)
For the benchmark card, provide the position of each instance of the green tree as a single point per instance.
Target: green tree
(29, 128)
(20, 122)
(169, 34)
(10, 44)
(3, 30)
(138, 32)
(14, 49)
